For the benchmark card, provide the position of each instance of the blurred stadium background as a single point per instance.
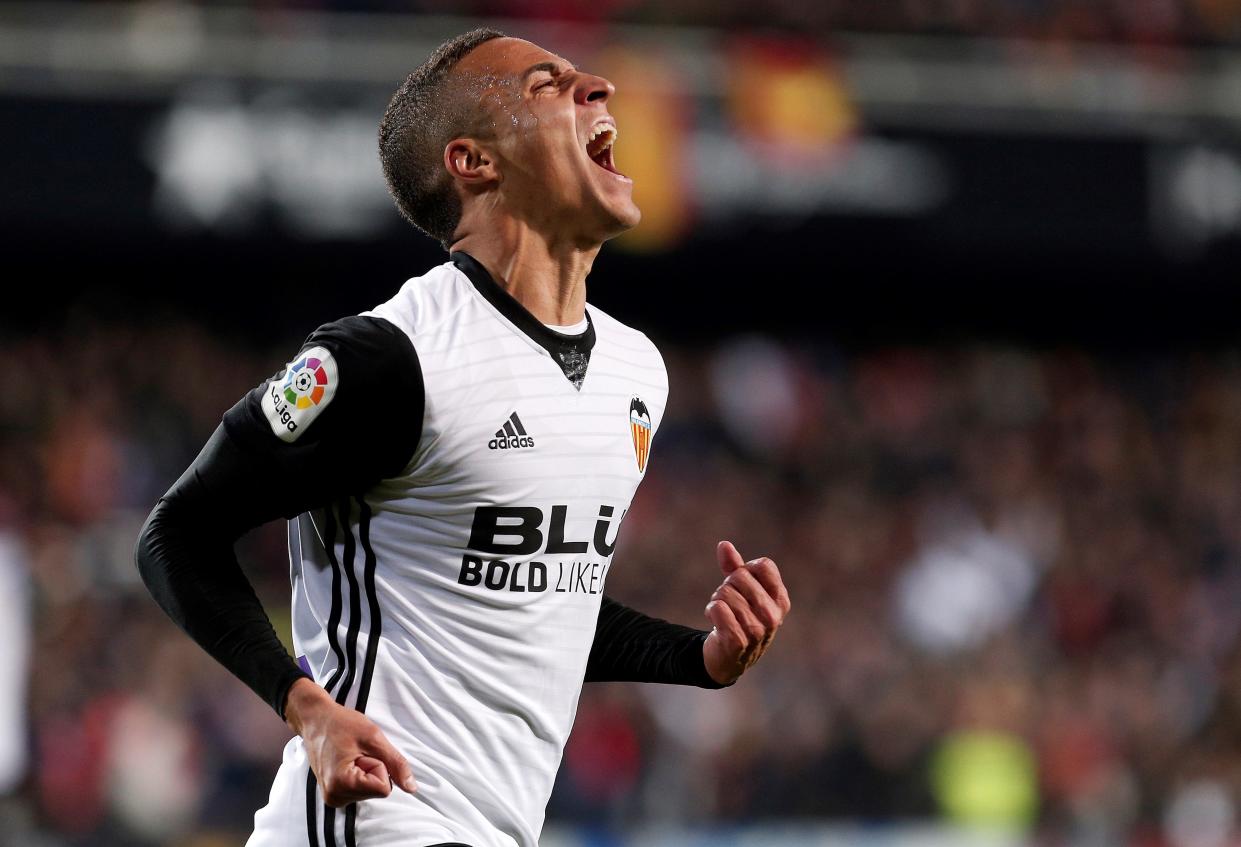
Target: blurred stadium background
(948, 293)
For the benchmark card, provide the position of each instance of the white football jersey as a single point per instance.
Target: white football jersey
(455, 603)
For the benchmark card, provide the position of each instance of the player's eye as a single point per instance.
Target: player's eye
(547, 83)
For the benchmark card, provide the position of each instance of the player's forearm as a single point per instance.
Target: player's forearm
(185, 556)
(632, 647)
(196, 579)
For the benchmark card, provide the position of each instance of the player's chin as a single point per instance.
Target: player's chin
(628, 215)
(619, 208)
(619, 221)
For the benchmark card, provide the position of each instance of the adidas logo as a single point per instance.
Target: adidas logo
(511, 436)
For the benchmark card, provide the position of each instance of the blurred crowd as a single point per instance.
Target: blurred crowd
(1131, 21)
(1140, 21)
(1015, 582)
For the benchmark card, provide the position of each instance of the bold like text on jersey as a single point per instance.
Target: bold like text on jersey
(525, 524)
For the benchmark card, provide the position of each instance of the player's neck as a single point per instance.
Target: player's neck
(548, 279)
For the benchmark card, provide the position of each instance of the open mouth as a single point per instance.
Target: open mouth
(599, 146)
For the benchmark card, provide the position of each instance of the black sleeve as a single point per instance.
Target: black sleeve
(367, 430)
(632, 647)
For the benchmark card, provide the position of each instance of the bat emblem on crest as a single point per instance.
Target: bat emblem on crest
(640, 429)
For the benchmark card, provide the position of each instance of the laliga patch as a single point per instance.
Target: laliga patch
(308, 386)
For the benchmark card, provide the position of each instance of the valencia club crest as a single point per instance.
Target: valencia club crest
(640, 429)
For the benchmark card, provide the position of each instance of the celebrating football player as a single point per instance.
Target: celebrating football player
(455, 465)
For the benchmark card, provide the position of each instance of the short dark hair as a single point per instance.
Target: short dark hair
(422, 117)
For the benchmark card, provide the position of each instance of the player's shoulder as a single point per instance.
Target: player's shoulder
(631, 345)
(426, 301)
(343, 365)
(609, 329)
(358, 336)
(370, 349)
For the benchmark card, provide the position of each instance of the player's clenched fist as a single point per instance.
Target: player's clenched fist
(348, 753)
(745, 612)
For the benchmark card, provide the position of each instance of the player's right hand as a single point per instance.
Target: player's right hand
(349, 754)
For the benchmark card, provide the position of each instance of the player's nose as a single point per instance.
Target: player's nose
(591, 88)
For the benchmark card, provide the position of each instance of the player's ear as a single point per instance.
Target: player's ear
(469, 162)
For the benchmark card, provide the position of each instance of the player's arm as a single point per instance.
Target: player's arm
(185, 555)
(630, 646)
(270, 459)
(746, 610)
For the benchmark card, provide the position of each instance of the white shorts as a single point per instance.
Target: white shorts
(295, 816)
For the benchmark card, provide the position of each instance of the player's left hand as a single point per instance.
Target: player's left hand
(745, 612)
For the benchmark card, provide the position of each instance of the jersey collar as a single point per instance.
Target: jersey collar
(571, 352)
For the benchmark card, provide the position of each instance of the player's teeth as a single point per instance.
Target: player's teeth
(601, 138)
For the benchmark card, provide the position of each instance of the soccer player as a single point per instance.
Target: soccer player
(454, 466)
